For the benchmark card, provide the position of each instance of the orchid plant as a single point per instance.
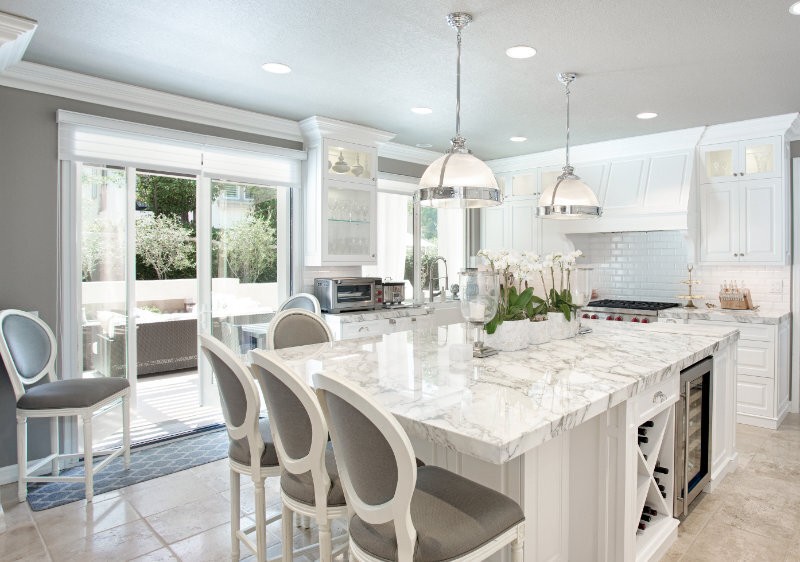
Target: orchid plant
(519, 271)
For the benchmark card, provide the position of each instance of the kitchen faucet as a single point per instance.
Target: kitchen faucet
(431, 280)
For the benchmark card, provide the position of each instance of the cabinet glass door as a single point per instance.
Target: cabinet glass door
(719, 162)
(350, 162)
(761, 158)
(349, 223)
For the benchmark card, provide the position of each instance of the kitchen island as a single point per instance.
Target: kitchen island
(553, 426)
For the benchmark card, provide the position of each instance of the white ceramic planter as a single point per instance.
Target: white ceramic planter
(511, 335)
(538, 332)
(560, 328)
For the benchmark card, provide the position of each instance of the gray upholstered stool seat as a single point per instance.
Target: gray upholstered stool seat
(70, 393)
(300, 487)
(239, 450)
(453, 516)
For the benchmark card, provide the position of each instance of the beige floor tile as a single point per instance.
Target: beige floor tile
(120, 543)
(720, 541)
(160, 555)
(80, 519)
(778, 467)
(23, 542)
(169, 493)
(190, 519)
(211, 545)
(17, 514)
(764, 518)
(747, 443)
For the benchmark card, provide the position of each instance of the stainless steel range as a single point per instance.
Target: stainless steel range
(625, 311)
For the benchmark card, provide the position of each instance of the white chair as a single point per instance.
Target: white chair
(310, 484)
(28, 348)
(251, 451)
(294, 327)
(305, 301)
(403, 512)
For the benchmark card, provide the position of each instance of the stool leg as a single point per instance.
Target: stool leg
(126, 430)
(261, 519)
(22, 457)
(54, 448)
(236, 514)
(517, 552)
(87, 457)
(325, 547)
(287, 541)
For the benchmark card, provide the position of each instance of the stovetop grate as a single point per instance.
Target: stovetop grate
(633, 305)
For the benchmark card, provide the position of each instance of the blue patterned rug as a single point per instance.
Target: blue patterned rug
(146, 463)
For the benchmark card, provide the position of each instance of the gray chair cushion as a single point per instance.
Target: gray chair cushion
(28, 343)
(453, 516)
(297, 329)
(239, 451)
(70, 393)
(301, 487)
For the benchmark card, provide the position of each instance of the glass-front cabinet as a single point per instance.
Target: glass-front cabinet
(750, 159)
(340, 196)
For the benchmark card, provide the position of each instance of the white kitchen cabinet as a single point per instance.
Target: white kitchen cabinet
(762, 372)
(743, 221)
(340, 192)
(512, 225)
(747, 159)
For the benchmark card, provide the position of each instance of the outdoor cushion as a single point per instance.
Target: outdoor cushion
(70, 393)
(239, 451)
(301, 487)
(452, 515)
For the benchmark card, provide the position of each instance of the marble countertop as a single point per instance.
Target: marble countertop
(380, 314)
(500, 407)
(766, 316)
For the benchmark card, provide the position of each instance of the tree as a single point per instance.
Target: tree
(101, 241)
(166, 195)
(163, 243)
(250, 250)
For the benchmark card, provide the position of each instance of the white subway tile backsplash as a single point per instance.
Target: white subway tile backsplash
(652, 266)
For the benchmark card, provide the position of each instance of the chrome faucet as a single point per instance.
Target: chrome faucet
(431, 279)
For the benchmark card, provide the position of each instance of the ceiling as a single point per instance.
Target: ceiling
(369, 61)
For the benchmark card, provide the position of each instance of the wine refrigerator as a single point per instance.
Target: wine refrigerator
(693, 435)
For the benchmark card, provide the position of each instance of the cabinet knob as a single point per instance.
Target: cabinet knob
(392, 321)
(659, 397)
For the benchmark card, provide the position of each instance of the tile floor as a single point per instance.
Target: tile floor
(754, 515)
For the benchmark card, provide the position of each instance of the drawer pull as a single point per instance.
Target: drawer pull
(392, 321)
(659, 397)
(363, 329)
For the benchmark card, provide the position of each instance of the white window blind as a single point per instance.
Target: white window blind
(99, 140)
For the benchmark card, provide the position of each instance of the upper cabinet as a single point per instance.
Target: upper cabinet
(748, 159)
(340, 192)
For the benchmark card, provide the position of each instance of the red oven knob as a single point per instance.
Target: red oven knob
(645, 321)
(594, 316)
(610, 317)
(634, 319)
(618, 318)
(585, 316)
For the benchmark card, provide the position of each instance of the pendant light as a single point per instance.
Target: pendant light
(569, 198)
(458, 180)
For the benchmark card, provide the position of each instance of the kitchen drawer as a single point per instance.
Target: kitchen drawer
(656, 398)
(370, 328)
(756, 358)
(755, 396)
(746, 331)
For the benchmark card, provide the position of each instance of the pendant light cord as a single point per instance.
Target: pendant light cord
(566, 89)
(458, 86)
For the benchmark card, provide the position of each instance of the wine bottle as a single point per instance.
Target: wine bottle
(650, 511)
(642, 430)
(645, 518)
(648, 423)
(661, 469)
(661, 487)
(643, 439)
(664, 495)
(642, 526)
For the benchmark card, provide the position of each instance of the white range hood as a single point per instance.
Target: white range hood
(643, 183)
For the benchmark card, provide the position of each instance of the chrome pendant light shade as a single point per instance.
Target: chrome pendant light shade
(569, 198)
(458, 180)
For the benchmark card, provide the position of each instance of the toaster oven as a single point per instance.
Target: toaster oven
(341, 294)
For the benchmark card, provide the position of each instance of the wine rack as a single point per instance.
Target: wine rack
(655, 482)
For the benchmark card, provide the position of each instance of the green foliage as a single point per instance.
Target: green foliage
(562, 302)
(163, 243)
(166, 195)
(537, 307)
(512, 306)
(249, 248)
(428, 256)
(101, 238)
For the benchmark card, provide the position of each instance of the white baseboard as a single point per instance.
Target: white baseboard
(8, 474)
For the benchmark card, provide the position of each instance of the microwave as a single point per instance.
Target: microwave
(341, 294)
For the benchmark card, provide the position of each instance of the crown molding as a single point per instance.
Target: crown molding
(57, 82)
(315, 127)
(751, 128)
(407, 153)
(15, 36)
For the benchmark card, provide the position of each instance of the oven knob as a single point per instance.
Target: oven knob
(610, 317)
(585, 316)
(594, 316)
(645, 321)
(634, 319)
(618, 318)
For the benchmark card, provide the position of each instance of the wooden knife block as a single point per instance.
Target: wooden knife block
(739, 300)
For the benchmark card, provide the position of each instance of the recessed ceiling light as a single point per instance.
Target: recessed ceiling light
(422, 110)
(646, 115)
(276, 68)
(424, 145)
(520, 52)
(518, 139)
(794, 9)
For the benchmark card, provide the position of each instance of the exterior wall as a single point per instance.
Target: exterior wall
(651, 265)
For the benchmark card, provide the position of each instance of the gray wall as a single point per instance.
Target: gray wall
(29, 218)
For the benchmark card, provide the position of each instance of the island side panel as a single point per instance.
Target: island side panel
(724, 457)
